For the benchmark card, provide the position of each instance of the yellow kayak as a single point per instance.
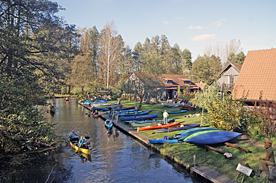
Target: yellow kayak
(78, 149)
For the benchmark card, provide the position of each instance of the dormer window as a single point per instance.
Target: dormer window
(187, 82)
(169, 82)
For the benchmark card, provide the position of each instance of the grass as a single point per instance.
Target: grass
(184, 152)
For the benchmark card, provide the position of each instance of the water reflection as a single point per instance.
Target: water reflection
(115, 157)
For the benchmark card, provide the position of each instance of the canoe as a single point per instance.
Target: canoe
(174, 112)
(121, 111)
(104, 104)
(177, 128)
(124, 108)
(163, 141)
(95, 115)
(135, 113)
(194, 130)
(188, 133)
(198, 133)
(170, 105)
(153, 127)
(214, 137)
(141, 117)
(105, 108)
(108, 124)
(78, 149)
(149, 121)
(143, 124)
(113, 107)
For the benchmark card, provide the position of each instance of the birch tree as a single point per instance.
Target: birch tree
(109, 50)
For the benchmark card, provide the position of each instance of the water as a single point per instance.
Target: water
(115, 157)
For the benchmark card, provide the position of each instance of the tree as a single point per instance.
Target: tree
(34, 43)
(239, 59)
(144, 86)
(137, 57)
(109, 50)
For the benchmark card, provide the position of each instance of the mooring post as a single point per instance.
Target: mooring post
(194, 160)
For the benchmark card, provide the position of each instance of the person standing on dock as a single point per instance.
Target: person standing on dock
(165, 117)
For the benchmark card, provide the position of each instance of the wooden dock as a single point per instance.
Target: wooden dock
(211, 174)
(204, 171)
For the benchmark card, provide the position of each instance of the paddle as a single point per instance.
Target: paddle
(87, 137)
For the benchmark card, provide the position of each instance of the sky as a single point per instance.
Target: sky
(192, 24)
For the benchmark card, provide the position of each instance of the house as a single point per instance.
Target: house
(228, 76)
(172, 81)
(169, 83)
(257, 78)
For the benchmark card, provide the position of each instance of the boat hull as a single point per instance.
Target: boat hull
(153, 127)
(78, 149)
(108, 124)
(214, 137)
(163, 141)
(178, 128)
(174, 112)
(142, 117)
(135, 113)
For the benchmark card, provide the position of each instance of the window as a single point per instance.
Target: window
(187, 82)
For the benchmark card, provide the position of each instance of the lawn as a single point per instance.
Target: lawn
(184, 152)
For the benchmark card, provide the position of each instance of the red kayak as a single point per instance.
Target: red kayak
(153, 127)
(95, 115)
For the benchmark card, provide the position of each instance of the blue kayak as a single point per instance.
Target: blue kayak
(174, 112)
(135, 113)
(184, 135)
(193, 130)
(177, 128)
(214, 137)
(163, 141)
(108, 124)
(123, 111)
(141, 117)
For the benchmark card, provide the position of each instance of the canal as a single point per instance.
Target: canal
(115, 157)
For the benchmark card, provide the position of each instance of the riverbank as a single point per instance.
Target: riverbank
(184, 153)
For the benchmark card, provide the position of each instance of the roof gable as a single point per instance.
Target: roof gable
(257, 76)
(234, 65)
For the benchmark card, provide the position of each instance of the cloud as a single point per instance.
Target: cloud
(204, 37)
(165, 22)
(219, 22)
(195, 27)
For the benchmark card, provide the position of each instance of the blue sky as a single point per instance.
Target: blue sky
(192, 24)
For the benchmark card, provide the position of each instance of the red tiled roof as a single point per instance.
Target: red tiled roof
(177, 78)
(257, 75)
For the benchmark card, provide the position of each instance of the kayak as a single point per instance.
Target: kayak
(108, 124)
(124, 108)
(79, 149)
(121, 111)
(140, 117)
(175, 112)
(214, 137)
(193, 130)
(95, 115)
(163, 141)
(177, 128)
(150, 121)
(188, 133)
(135, 113)
(159, 126)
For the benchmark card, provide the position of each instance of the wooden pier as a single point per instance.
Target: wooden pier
(211, 174)
(203, 171)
